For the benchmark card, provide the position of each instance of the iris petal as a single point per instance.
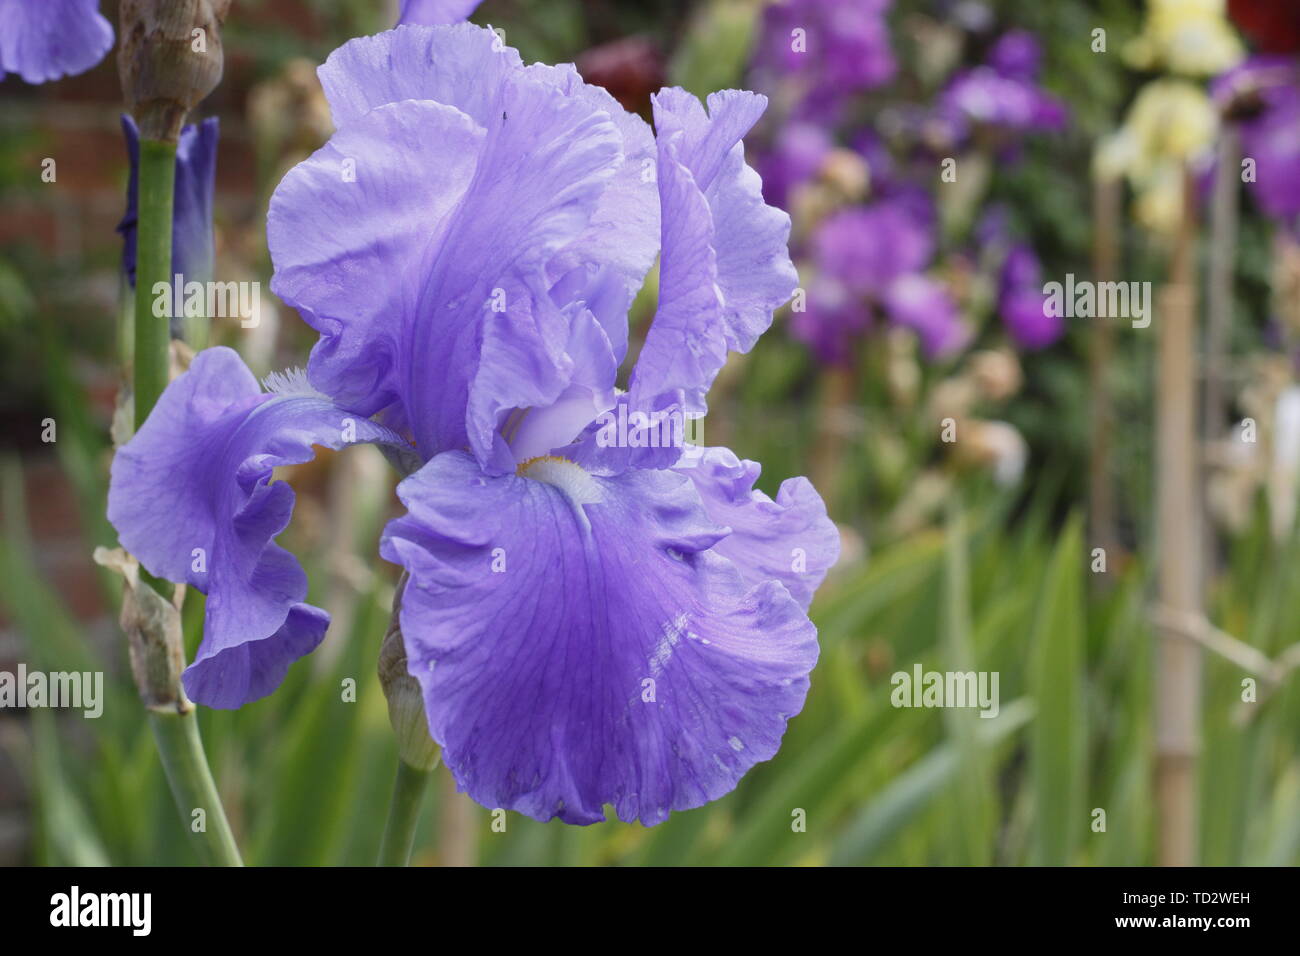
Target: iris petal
(725, 262)
(790, 540)
(578, 644)
(192, 498)
(350, 230)
(45, 40)
(499, 264)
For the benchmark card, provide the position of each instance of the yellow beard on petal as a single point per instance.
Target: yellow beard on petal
(571, 478)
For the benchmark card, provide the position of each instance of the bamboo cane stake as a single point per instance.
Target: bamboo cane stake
(1178, 661)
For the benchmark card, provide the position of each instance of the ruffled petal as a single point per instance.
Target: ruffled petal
(351, 229)
(466, 67)
(578, 643)
(605, 266)
(790, 540)
(477, 284)
(43, 40)
(192, 498)
(627, 436)
(725, 265)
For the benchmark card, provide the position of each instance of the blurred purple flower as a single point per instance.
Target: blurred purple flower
(42, 40)
(923, 305)
(1017, 55)
(832, 320)
(867, 247)
(1021, 302)
(835, 47)
(880, 164)
(1263, 93)
(1004, 93)
(795, 157)
(873, 256)
(470, 281)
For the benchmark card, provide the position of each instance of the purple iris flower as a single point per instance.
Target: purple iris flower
(192, 497)
(833, 319)
(42, 40)
(797, 154)
(196, 170)
(1265, 92)
(923, 305)
(874, 255)
(836, 47)
(1022, 303)
(1017, 55)
(1004, 92)
(868, 247)
(594, 617)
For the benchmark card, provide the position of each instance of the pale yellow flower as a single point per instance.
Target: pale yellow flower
(1192, 37)
(1170, 124)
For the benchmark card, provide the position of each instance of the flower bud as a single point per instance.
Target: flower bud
(169, 59)
(405, 700)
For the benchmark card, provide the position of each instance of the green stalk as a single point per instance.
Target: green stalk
(193, 788)
(175, 728)
(153, 265)
(403, 814)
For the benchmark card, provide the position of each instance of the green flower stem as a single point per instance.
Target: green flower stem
(403, 814)
(193, 788)
(176, 729)
(153, 258)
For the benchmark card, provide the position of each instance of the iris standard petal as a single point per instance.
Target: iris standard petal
(543, 426)
(42, 40)
(725, 263)
(350, 230)
(192, 498)
(464, 66)
(414, 332)
(790, 540)
(605, 266)
(467, 67)
(578, 644)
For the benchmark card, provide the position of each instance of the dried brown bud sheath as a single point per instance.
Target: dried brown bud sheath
(169, 58)
(152, 625)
